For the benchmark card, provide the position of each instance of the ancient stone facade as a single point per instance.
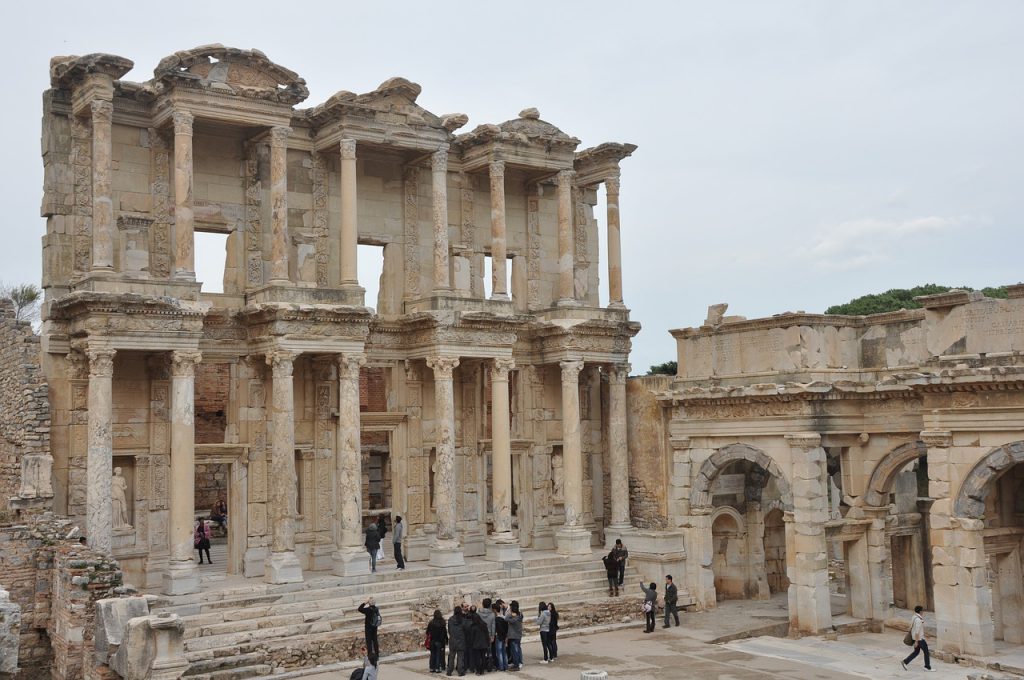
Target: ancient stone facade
(493, 421)
(890, 442)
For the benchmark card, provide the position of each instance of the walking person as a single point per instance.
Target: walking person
(396, 541)
(372, 545)
(201, 540)
(372, 622)
(544, 624)
(437, 634)
(920, 644)
(500, 638)
(515, 636)
(650, 605)
(456, 642)
(621, 555)
(671, 601)
(611, 567)
(553, 628)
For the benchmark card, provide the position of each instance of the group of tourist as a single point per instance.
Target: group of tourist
(375, 533)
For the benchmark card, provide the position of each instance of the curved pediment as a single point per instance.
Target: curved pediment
(394, 97)
(528, 129)
(227, 70)
(65, 71)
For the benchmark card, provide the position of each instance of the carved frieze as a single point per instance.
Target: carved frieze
(410, 218)
(81, 164)
(253, 217)
(321, 235)
(160, 233)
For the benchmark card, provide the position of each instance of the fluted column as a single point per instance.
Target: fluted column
(573, 538)
(611, 186)
(351, 558)
(349, 214)
(279, 203)
(618, 458)
(499, 261)
(182, 576)
(502, 545)
(439, 171)
(184, 217)
(446, 551)
(102, 199)
(99, 461)
(282, 564)
(566, 242)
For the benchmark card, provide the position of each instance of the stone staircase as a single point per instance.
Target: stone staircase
(253, 630)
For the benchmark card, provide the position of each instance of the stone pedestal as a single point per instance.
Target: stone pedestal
(283, 567)
(446, 555)
(503, 549)
(350, 561)
(572, 541)
(181, 578)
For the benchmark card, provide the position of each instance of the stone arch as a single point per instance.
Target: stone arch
(970, 500)
(700, 497)
(734, 515)
(886, 469)
(773, 505)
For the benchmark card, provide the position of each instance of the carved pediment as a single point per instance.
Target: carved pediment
(245, 73)
(526, 130)
(393, 101)
(66, 71)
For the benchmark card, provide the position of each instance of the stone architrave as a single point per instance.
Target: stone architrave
(618, 453)
(499, 261)
(350, 558)
(184, 215)
(99, 460)
(611, 186)
(572, 538)
(349, 214)
(102, 195)
(810, 608)
(566, 240)
(446, 551)
(282, 565)
(502, 545)
(439, 173)
(279, 203)
(182, 575)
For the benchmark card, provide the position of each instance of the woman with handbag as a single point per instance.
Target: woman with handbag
(437, 639)
(201, 540)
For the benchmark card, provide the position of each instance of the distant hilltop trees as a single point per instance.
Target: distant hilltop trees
(901, 298)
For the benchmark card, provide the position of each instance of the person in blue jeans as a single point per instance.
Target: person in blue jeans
(920, 644)
(500, 638)
(514, 618)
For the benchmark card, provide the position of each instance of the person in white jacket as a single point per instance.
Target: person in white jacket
(920, 644)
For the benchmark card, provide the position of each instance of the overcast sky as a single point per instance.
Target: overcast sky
(792, 155)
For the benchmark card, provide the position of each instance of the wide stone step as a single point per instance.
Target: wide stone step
(234, 661)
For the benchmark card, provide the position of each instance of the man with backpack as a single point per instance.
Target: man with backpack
(373, 620)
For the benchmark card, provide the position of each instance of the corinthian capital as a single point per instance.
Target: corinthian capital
(497, 169)
(102, 111)
(349, 365)
(571, 371)
(611, 184)
(182, 122)
(439, 159)
(565, 177)
(617, 373)
(500, 369)
(281, 363)
(183, 363)
(443, 367)
(101, 362)
(279, 135)
(347, 147)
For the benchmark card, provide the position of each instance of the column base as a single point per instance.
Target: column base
(572, 541)
(181, 578)
(567, 302)
(447, 554)
(350, 562)
(283, 567)
(616, 531)
(502, 549)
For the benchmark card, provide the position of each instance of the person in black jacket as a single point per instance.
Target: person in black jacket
(611, 568)
(372, 545)
(369, 610)
(480, 640)
(553, 627)
(438, 632)
(456, 642)
(671, 600)
(500, 638)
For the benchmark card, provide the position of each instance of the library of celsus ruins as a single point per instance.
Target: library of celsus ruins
(848, 465)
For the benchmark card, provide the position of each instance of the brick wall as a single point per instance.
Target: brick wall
(645, 438)
(24, 402)
(373, 390)
(211, 402)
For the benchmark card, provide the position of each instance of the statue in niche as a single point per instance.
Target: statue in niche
(557, 476)
(119, 500)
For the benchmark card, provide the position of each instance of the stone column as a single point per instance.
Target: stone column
(279, 204)
(808, 578)
(611, 186)
(282, 565)
(182, 576)
(99, 460)
(617, 449)
(439, 170)
(351, 558)
(877, 557)
(502, 545)
(499, 261)
(566, 240)
(102, 199)
(349, 214)
(572, 538)
(184, 218)
(446, 551)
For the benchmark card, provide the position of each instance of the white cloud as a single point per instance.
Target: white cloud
(860, 243)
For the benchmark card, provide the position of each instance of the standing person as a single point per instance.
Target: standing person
(396, 541)
(554, 630)
(515, 636)
(500, 638)
(201, 540)
(650, 604)
(917, 635)
(488, 618)
(437, 631)
(382, 531)
(544, 624)
(219, 513)
(621, 555)
(456, 642)
(372, 545)
(671, 600)
(372, 615)
(481, 641)
(611, 567)
(369, 665)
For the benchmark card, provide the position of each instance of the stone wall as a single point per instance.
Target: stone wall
(645, 437)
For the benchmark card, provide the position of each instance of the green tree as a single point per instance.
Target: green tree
(26, 298)
(667, 368)
(900, 298)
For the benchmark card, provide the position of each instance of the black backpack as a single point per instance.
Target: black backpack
(377, 620)
(356, 674)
